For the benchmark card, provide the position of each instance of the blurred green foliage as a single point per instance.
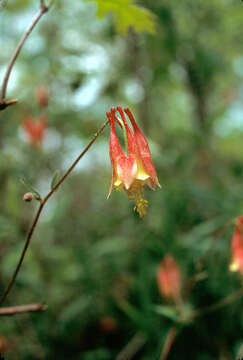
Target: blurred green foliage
(93, 258)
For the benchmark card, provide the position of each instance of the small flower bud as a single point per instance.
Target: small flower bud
(28, 197)
(41, 96)
(169, 279)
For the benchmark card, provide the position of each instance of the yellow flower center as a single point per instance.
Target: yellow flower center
(136, 190)
(234, 266)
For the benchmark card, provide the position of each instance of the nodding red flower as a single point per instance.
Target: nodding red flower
(169, 279)
(237, 247)
(131, 171)
(35, 129)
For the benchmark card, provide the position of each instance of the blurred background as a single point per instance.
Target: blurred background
(178, 66)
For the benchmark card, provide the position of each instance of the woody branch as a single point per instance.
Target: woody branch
(3, 102)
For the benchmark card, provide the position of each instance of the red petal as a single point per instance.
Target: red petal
(237, 244)
(143, 149)
(127, 170)
(132, 148)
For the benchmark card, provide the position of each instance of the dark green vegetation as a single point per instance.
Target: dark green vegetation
(90, 257)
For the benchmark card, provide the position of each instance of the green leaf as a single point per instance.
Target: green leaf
(167, 311)
(55, 178)
(133, 313)
(126, 15)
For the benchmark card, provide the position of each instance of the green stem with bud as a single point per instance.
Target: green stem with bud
(38, 213)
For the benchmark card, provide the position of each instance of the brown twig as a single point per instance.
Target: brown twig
(220, 304)
(132, 347)
(12, 310)
(42, 204)
(170, 338)
(3, 103)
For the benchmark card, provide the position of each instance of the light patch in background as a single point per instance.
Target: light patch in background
(178, 72)
(21, 23)
(97, 155)
(238, 65)
(52, 140)
(230, 122)
(71, 39)
(134, 91)
(88, 93)
(34, 45)
(95, 59)
(13, 79)
(10, 149)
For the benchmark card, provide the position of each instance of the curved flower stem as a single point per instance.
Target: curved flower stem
(42, 204)
(3, 104)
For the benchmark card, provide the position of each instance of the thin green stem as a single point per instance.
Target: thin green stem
(38, 213)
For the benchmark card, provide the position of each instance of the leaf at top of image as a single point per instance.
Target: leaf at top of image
(127, 14)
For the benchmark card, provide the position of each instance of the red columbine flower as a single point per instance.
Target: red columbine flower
(237, 247)
(169, 279)
(35, 129)
(133, 170)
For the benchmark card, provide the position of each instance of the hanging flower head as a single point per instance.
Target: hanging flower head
(131, 171)
(237, 247)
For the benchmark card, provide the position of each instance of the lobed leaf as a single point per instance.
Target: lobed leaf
(126, 15)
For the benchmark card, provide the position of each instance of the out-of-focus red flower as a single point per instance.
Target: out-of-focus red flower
(169, 279)
(35, 129)
(237, 247)
(133, 170)
(41, 96)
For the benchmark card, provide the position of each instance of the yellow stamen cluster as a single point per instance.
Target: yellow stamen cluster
(135, 193)
(141, 206)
